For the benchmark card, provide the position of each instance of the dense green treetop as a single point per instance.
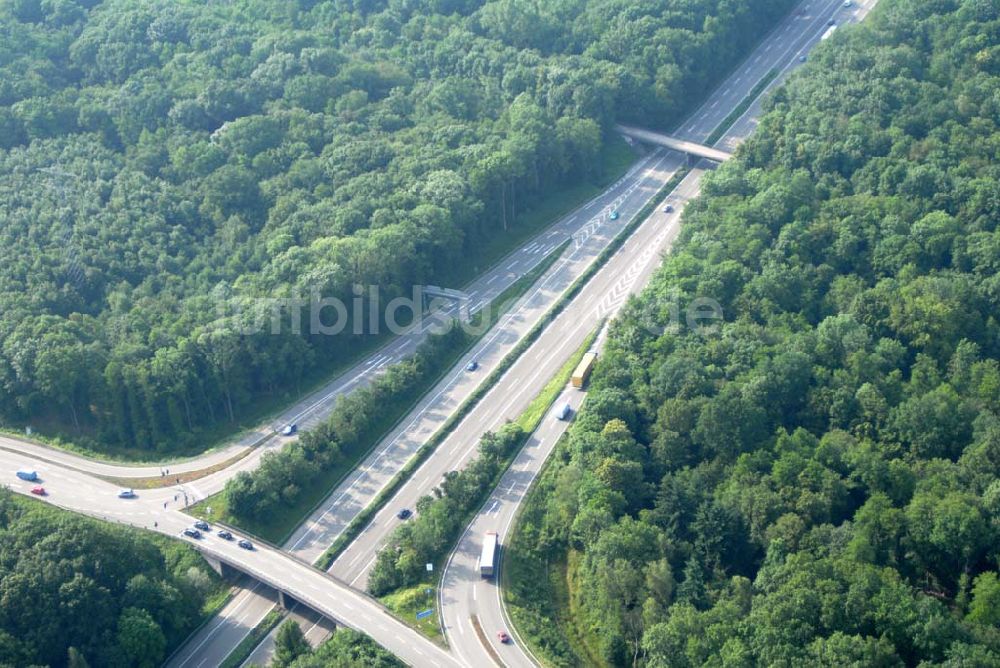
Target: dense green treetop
(814, 481)
(73, 587)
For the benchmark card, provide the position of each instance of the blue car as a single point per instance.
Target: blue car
(614, 215)
(472, 366)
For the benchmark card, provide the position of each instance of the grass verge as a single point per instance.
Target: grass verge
(537, 585)
(406, 603)
(281, 523)
(741, 108)
(533, 414)
(250, 642)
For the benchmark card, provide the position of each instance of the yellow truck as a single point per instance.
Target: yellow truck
(583, 369)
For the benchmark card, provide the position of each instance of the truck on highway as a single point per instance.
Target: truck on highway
(583, 369)
(488, 558)
(31, 475)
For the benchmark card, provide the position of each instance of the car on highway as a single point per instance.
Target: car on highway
(564, 412)
(127, 493)
(831, 22)
(245, 544)
(192, 533)
(848, 3)
(503, 637)
(38, 491)
(614, 215)
(224, 535)
(472, 366)
(289, 429)
(668, 208)
(802, 58)
(202, 524)
(404, 513)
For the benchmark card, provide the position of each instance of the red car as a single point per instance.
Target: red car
(40, 491)
(503, 637)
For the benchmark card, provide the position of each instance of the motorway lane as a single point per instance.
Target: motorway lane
(85, 494)
(464, 595)
(399, 446)
(588, 238)
(315, 627)
(779, 48)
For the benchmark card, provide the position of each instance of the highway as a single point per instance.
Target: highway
(466, 599)
(82, 493)
(602, 295)
(214, 642)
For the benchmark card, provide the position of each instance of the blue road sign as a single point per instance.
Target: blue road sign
(425, 613)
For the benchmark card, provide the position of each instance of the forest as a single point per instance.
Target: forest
(814, 480)
(168, 170)
(76, 592)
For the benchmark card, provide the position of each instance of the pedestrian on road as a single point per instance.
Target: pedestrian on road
(164, 505)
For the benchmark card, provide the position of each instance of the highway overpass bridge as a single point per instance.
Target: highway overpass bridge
(298, 581)
(689, 147)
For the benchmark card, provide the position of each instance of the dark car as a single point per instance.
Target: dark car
(202, 524)
(472, 366)
(245, 544)
(192, 533)
(668, 208)
(404, 513)
(289, 429)
(503, 637)
(225, 535)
